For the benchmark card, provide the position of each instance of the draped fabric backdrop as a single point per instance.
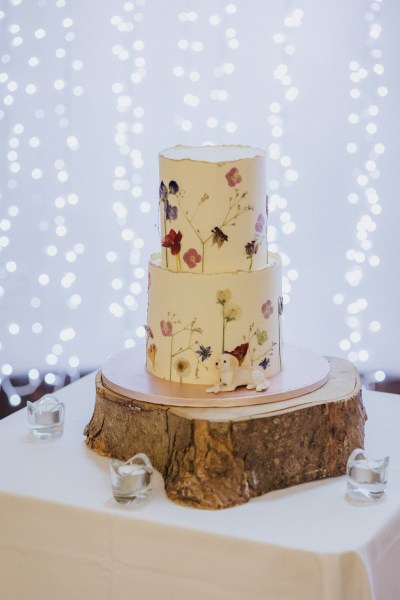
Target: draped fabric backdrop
(92, 90)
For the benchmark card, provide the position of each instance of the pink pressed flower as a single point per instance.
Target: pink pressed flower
(166, 328)
(192, 258)
(267, 309)
(233, 177)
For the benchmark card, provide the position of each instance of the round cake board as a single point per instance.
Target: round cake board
(125, 373)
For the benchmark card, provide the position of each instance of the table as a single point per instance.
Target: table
(62, 537)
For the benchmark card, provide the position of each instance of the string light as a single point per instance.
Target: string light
(286, 174)
(49, 235)
(128, 174)
(42, 196)
(365, 88)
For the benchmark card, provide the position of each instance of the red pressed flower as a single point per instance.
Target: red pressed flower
(172, 241)
(233, 177)
(192, 258)
(240, 352)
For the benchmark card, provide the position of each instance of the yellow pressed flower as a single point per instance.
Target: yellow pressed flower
(232, 311)
(182, 367)
(224, 296)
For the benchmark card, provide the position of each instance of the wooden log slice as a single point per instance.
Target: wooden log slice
(216, 458)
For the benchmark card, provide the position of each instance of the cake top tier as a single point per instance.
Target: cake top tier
(213, 208)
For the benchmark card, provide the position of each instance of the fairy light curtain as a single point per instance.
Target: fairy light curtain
(91, 91)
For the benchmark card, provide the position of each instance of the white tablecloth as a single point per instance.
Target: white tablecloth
(62, 538)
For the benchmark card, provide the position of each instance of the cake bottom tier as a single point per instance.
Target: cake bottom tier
(216, 458)
(194, 317)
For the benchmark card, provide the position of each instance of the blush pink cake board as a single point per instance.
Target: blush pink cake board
(125, 373)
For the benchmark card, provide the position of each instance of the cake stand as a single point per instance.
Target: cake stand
(220, 451)
(124, 373)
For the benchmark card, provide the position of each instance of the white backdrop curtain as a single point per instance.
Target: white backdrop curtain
(92, 90)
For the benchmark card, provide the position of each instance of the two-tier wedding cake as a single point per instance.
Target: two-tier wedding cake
(277, 418)
(214, 288)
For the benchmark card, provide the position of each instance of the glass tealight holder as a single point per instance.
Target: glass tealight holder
(131, 480)
(46, 417)
(366, 476)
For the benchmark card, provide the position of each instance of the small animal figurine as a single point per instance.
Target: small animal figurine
(233, 375)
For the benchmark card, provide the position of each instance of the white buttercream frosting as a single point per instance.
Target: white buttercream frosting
(213, 208)
(214, 288)
(194, 317)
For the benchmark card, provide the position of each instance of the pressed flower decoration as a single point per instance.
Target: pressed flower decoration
(186, 351)
(223, 296)
(219, 237)
(166, 328)
(262, 336)
(204, 352)
(260, 224)
(151, 355)
(173, 241)
(172, 199)
(264, 363)
(182, 367)
(151, 348)
(230, 311)
(192, 258)
(240, 352)
(171, 212)
(251, 249)
(280, 305)
(257, 351)
(149, 332)
(267, 309)
(233, 177)
(280, 311)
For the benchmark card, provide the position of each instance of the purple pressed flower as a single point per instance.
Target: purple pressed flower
(251, 248)
(259, 226)
(204, 352)
(163, 192)
(280, 305)
(264, 363)
(173, 187)
(171, 212)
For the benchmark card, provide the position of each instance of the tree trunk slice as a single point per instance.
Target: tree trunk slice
(216, 458)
